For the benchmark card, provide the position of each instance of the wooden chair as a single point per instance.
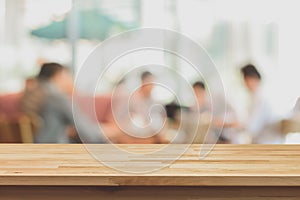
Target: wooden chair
(290, 126)
(15, 127)
(20, 130)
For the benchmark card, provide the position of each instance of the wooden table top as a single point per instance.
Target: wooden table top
(226, 165)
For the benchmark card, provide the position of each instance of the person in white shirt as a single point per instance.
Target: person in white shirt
(139, 116)
(259, 122)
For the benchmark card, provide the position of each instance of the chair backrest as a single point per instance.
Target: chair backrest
(15, 127)
(197, 128)
(102, 106)
(9, 131)
(10, 106)
(290, 126)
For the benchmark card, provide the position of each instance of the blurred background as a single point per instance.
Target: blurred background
(264, 33)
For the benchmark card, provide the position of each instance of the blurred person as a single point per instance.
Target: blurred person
(259, 123)
(226, 123)
(139, 116)
(202, 111)
(50, 100)
(201, 97)
(145, 111)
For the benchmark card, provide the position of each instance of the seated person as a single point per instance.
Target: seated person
(226, 125)
(259, 124)
(139, 116)
(50, 100)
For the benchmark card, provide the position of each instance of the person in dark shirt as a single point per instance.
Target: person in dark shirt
(50, 100)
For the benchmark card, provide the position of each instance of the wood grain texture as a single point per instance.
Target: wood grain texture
(226, 165)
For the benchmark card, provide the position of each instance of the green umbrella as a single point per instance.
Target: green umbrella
(55, 30)
(92, 24)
